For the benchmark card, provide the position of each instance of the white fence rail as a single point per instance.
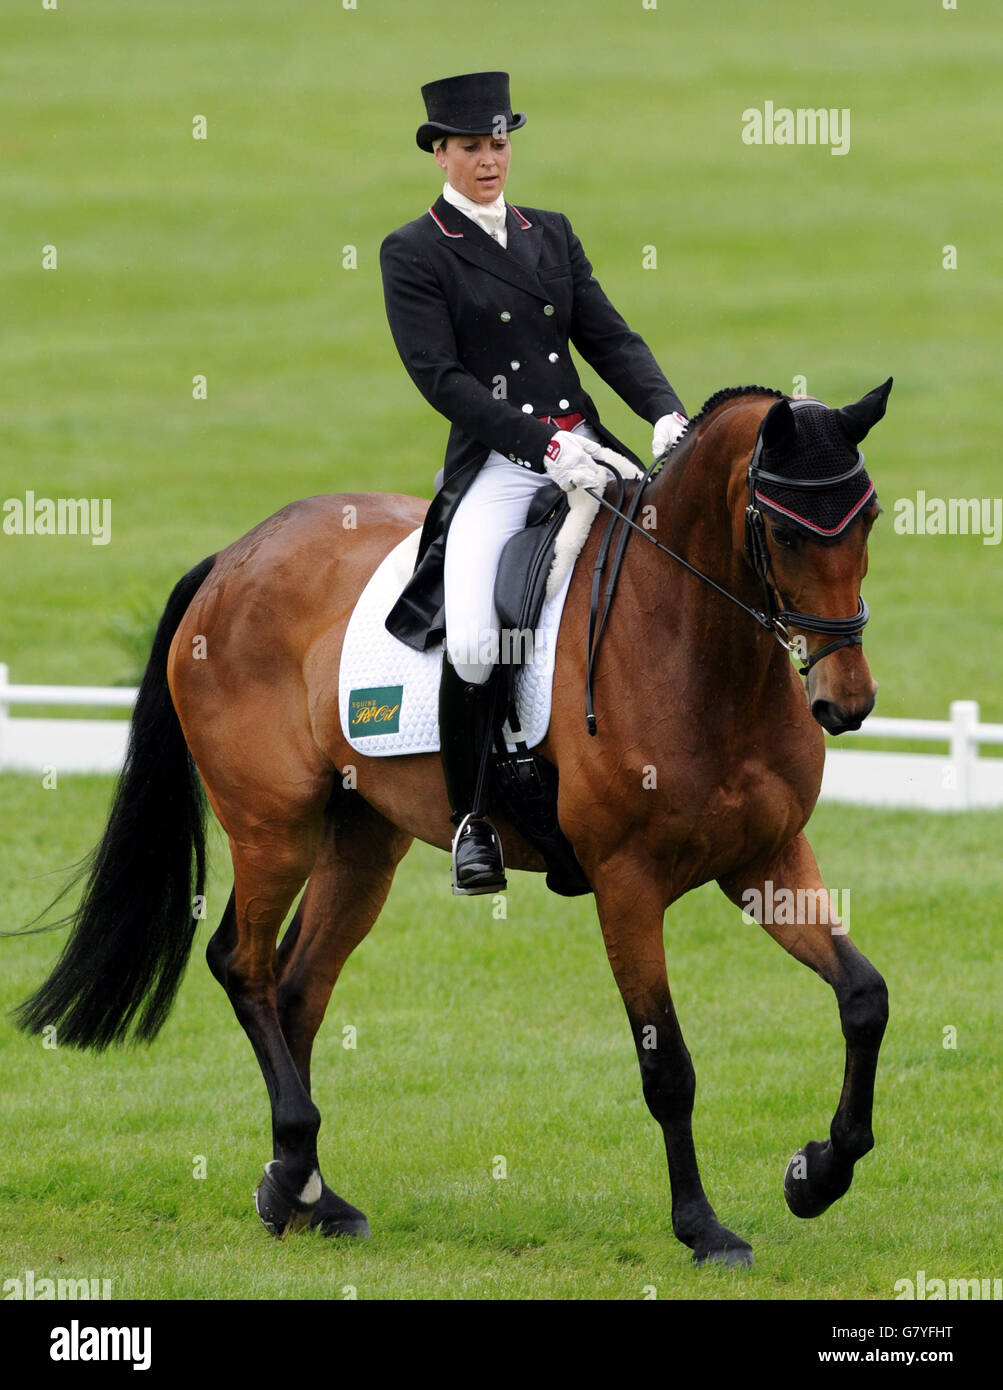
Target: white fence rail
(62, 745)
(956, 780)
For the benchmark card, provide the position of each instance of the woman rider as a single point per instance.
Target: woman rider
(483, 299)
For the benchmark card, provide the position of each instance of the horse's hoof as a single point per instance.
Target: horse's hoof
(721, 1246)
(735, 1256)
(333, 1216)
(280, 1211)
(813, 1180)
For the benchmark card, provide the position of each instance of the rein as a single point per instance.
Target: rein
(774, 617)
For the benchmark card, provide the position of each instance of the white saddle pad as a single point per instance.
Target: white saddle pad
(389, 694)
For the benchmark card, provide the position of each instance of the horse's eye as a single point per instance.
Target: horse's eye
(783, 537)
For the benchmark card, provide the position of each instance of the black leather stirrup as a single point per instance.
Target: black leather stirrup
(465, 731)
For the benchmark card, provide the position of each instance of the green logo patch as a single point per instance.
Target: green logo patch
(376, 710)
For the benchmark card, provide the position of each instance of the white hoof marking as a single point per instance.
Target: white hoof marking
(314, 1187)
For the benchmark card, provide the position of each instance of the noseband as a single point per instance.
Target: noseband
(775, 617)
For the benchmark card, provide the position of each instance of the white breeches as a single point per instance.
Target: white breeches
(493, 509)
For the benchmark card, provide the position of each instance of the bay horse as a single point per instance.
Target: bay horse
(241, 696)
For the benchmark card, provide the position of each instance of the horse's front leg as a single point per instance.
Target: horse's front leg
(631, 907)
(812, 932)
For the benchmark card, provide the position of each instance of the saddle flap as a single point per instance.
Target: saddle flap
(521, 581)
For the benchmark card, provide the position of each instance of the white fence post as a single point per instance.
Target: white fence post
(4, 682)
(964, 748)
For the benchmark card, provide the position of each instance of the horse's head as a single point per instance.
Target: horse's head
(811, 506)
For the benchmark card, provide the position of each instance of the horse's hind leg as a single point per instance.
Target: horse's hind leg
(351, 878)
(631, 906)
(822, 1171)
(269, 870)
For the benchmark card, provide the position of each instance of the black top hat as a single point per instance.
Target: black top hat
(476, 103)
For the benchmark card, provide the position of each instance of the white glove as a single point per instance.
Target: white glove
(627, 468)
(668, 430)
(567, 460)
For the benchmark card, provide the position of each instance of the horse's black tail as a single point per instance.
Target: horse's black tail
(132, 933)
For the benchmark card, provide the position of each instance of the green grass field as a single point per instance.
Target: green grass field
(479, 1038)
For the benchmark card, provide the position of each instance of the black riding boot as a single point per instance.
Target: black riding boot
(464, 728)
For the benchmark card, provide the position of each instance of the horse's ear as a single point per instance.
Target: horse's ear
(778, 429)
(855, 420)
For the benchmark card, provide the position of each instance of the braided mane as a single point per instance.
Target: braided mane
(729, 393)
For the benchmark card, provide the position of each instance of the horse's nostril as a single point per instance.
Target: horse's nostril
(823, 712)
(835, 719)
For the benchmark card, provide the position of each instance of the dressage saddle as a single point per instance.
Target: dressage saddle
(524, 784)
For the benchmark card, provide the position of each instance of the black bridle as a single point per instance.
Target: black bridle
(780, 617)
(775, 616)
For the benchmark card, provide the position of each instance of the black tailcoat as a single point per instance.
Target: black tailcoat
(484, 333)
